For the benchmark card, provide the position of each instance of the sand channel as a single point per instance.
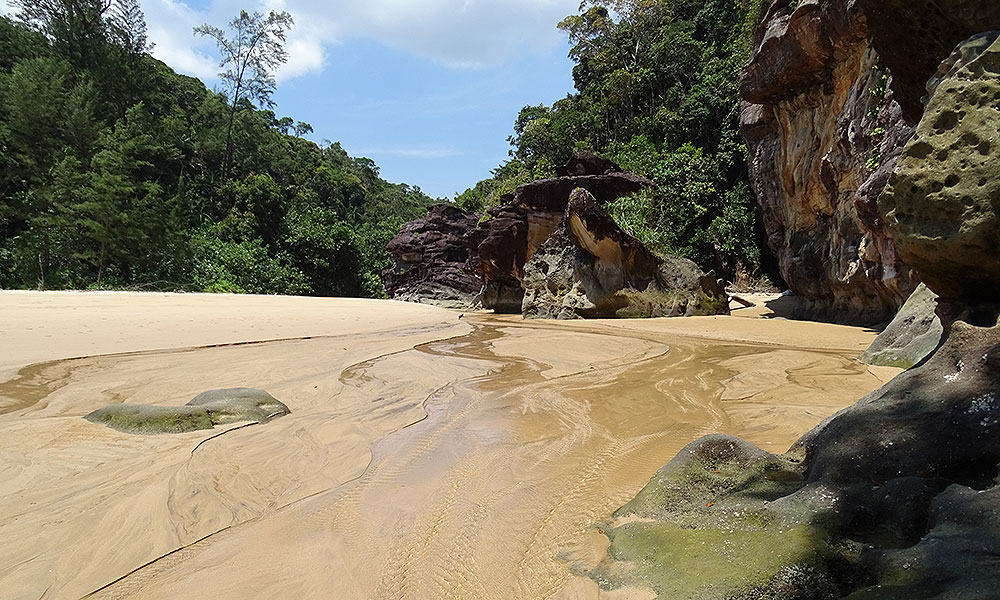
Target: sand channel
(426, 455)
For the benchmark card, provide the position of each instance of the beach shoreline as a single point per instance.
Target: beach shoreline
(420, 445)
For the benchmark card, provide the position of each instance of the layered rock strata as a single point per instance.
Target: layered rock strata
(590, 268)
(895, 497)
(429, 257)
(824, 131)
(501, 246)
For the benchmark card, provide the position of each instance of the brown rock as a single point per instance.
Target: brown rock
(914, 36)
(822, 145)
(501, 246)
(497, 252)
(587, 163)
(430, 256)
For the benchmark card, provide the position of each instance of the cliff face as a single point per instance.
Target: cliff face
(895, 497)
(824, 130)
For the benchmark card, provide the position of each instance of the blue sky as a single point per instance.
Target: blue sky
(428, 89)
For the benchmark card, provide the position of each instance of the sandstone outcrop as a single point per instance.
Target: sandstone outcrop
(590, 268)
(429, 257)
(911, 337)
(913, 37)
(824, 132)
(943, 200)
(501, 246)
(895, 497)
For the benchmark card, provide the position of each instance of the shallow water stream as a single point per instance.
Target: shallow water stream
(471, 463)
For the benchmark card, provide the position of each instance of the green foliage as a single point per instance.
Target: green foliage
(243, 267)
(113, 174)
(251, 51)
(658, 92)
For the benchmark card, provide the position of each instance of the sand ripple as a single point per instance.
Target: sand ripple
(447, 459)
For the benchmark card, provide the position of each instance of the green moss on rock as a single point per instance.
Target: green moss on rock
(204, 411)
(683, 563)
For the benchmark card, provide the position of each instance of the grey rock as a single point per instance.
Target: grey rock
(911, 337)
(204, 411)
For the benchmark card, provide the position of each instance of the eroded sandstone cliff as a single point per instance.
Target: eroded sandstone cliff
(831, 95)
(897, 496)
(824, 131)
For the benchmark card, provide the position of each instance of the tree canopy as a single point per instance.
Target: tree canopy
(656, 91)
(113, 171)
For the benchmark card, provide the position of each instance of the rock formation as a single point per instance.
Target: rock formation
(914, 37)
(824, 132)
(429, 260)
(204, 411)
(503, 244)
(943, 200)
(590, 268)
(897, 496)
(831, 94)
(497, 250)
(911, 337)
(551, 251)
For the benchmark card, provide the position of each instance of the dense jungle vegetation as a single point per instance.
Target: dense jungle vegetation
(116, 172)
(657, 91)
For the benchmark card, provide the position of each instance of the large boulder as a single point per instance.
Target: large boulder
(204, 411)
(892, 498)
(824, 132)
(590, 268)
(943, 202)
(501, 246)
(911, 337)
(429, 257)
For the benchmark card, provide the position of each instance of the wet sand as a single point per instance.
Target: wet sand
(426, 456)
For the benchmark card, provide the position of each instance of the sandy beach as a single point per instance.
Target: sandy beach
(428, 453)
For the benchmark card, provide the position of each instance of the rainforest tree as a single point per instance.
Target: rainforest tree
(251, 53)
(657, 90)
(117, 172)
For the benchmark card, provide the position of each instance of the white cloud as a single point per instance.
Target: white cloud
(455, 33)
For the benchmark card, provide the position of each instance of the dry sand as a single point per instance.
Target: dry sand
(426, 456)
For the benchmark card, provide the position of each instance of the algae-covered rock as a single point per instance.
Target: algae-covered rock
(204, 411)
(911, 337)
(706, 526)
(894, 497)
(943, 202)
